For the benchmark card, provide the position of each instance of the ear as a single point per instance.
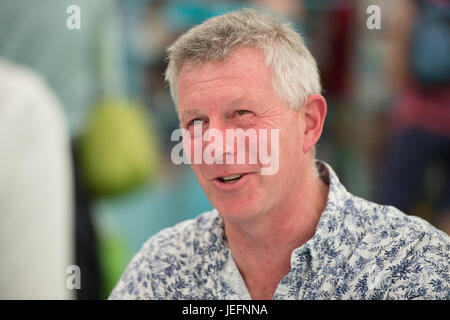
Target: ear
(314, 112)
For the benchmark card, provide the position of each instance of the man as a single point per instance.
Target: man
(295, 234)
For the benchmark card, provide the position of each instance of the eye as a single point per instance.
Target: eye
(195, 122)
(242, 112)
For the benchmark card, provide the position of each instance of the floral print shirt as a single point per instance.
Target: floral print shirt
(360, 250)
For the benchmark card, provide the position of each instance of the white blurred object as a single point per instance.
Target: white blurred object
(36, 225)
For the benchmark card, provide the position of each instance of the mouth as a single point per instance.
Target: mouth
(231, 178)
(232, 181)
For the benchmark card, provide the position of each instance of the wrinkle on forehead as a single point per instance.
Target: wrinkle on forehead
(243, 78)
(244, 62)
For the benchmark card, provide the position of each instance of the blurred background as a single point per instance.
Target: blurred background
(85, 121)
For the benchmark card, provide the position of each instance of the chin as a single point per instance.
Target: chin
(242, 202)
(237, 210)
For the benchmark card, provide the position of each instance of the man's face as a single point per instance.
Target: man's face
(238, 93)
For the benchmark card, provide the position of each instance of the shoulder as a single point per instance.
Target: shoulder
(21, 82)
(408, 256)
(387, 226)
(30, 107)
(164, 260)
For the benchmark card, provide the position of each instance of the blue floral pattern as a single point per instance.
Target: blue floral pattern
(360, 250)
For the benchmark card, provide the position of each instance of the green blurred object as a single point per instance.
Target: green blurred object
(118, 149)
(113, 257)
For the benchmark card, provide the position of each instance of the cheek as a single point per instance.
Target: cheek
(203, 180)
(293, 133)
(192, 149)
(291, 143)
(198, 171)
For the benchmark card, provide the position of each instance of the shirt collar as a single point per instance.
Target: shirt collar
(211, 253)
(331, 220)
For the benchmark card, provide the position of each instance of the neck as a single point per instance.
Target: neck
(262, 247)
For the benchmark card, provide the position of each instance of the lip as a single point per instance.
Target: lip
(234, 185)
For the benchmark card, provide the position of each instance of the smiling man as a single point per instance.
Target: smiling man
(294, 234)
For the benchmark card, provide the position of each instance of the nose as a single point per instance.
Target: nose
(219, 149)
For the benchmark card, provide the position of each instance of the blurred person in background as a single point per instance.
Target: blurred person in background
(80, 66)
(36, 218)
(419, 70)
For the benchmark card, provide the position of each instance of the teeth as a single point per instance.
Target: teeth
(233, 177)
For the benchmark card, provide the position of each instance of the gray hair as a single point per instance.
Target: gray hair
(295, 73)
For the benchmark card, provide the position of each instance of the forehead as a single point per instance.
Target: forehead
(243, 72)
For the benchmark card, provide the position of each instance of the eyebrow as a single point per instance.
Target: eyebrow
(238, 101)
(190, 112)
